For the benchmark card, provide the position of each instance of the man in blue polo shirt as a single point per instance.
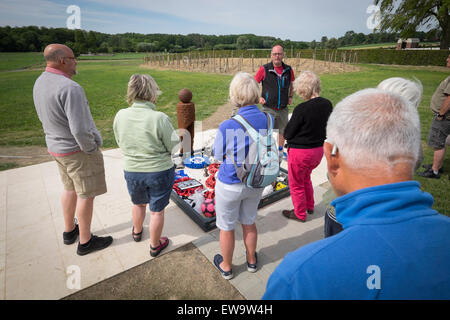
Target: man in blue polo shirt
(394, 245)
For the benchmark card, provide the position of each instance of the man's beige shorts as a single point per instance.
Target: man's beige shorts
(281, 117)
(83, 173)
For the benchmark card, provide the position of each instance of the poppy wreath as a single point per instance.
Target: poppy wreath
(186, 192)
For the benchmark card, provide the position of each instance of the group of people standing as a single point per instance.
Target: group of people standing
(371, 141)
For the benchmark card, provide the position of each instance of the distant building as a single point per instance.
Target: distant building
(410, 43)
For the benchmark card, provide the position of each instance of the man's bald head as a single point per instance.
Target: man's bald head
(55, 52)
(61, 57)
(277, 55)
(278, 48)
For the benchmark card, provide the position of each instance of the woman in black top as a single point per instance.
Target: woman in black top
(305, 134)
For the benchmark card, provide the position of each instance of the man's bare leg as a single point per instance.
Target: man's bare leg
(438, 159)
(69, 205)
(85, 208)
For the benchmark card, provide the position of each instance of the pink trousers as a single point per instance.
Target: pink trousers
(301, 163)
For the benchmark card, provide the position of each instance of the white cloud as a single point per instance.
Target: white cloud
(286, 19)
(38, 12)
(294, 19)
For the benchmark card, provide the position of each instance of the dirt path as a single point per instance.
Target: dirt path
(221, 114)
(24, 155)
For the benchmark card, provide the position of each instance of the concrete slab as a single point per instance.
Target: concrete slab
(277, 236)
(35, 264)
(32, 255)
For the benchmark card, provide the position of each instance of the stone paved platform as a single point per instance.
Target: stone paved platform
(34, 262)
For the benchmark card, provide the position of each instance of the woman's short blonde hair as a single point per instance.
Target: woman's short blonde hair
(244, 90)
(307, 84)
(142, 87)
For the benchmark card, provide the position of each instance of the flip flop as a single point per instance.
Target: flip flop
(162, 245)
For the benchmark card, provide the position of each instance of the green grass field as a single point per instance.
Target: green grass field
(371, 46)
(22, 60)
(116, 56)
(386, 45)
(105, 84)
(12, 61)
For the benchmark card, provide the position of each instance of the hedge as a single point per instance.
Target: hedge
(403, 57)
(376, 56)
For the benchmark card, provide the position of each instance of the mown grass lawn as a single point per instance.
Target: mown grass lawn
(370, 46)
(105, 84)
(338, 86)
(115, 56)
(22, 60)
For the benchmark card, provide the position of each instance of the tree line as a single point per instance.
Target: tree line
(33, 38)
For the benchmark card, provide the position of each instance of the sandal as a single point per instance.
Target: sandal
(162, 245)
(136, 236)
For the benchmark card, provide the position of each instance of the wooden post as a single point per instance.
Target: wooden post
(214, 60)
(314, 60)
(343, 61)
(253, 66)
(329, 60)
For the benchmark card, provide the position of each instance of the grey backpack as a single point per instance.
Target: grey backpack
(261, 165)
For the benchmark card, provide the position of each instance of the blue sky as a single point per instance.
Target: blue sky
(299, 20)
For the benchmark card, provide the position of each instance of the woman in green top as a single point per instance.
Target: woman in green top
(147, 140)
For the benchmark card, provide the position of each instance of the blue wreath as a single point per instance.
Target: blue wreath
(197, 162)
